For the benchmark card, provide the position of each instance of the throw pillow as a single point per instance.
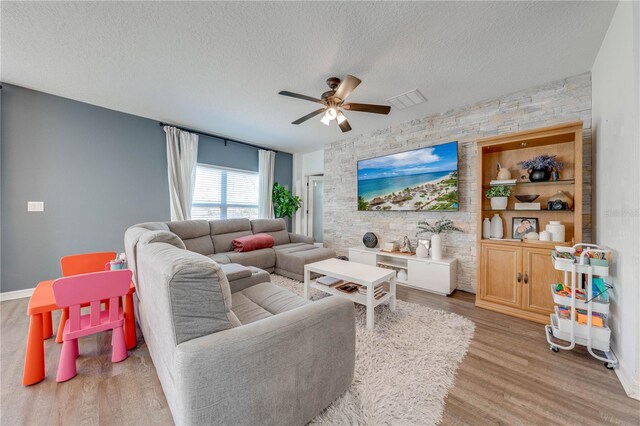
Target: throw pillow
(253, 242)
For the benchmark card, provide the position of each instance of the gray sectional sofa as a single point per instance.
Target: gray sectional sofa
(214, 238)
(230, 347)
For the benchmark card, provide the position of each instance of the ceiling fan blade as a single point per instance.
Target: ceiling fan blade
(308, 116)
(347, 86)
(299, 96)
(376, 109)
(344, 126)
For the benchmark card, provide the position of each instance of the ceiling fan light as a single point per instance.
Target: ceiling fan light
(331, 113)
(340, 118)
(325, 120)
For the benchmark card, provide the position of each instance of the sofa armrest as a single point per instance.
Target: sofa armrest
(284, 369)
(299, 238)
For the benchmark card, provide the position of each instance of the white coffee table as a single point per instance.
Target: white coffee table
(368, 276)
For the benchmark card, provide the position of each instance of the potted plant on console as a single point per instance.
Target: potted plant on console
(442, 225)
(541, 167)
(285, 204)
(499, 196)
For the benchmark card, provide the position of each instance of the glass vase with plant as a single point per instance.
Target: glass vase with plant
(541, 167)
(285, 204)
(499, 196)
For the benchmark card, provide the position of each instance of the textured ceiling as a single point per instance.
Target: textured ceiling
(219, 66)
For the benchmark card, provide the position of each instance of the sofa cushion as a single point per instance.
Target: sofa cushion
(262, 301)
(253, 242)
(219, 258)
(131, 238)
(162, 237)
(295, 261)
(273, 298)
(192, 286)
(257, 276)
(263, 258)
(294, 247)
(234, 271)
(194, 233)
(246, 310)
(298, 238)
(223, 232)
(277, 228)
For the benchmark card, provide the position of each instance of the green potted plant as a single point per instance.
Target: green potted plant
(285, 204)
(499, 196)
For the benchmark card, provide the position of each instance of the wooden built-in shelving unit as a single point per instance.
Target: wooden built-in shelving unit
(513, 275)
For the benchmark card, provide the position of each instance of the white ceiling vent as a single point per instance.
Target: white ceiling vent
(408, 99)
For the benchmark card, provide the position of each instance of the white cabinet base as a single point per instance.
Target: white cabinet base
(436, 276)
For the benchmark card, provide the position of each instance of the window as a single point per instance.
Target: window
(224, 193)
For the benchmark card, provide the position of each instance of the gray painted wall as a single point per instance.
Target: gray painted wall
(98, 171)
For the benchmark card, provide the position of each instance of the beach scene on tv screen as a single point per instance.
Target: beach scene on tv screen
(423, 179)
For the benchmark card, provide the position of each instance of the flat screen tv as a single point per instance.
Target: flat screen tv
(424, 179)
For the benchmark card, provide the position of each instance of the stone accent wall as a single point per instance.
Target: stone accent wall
(557, 102)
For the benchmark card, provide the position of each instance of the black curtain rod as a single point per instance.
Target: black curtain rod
(211, 135)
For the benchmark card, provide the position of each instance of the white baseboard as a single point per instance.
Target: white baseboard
(18, 294)
(630, 384)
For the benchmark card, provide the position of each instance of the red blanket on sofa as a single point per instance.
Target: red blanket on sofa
(253, 242)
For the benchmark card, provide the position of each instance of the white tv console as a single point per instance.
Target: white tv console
(437, 276)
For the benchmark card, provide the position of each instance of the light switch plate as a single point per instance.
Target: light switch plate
(35, 206)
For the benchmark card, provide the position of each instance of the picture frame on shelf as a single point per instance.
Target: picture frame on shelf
(521, 226)
(426, 243)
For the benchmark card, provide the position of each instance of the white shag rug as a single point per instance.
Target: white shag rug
(404, 368)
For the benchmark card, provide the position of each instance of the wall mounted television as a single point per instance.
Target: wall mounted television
(424, 179)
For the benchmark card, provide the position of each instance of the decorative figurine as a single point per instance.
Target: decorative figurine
(406, 245)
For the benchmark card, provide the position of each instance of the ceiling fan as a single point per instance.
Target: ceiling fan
(333, 101)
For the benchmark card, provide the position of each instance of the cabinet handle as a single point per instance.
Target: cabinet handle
(519, 277)
(526, 278)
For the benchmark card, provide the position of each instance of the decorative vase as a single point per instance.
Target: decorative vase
(402, 275)
(486, 228)
(503, 173)
(422, 251)
(436, 247)
(539, 175)
(496, 226)
(370, 240)
(532, 236)
(499, 203)
(545, 236)
(557, 231)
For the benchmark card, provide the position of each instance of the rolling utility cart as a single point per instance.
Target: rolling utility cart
(577, 298)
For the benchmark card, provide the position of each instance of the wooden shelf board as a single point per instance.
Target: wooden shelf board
(540, 210)
(534, 244)
(393, 264)
(549, 182)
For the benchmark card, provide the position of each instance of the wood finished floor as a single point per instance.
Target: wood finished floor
(509, 376)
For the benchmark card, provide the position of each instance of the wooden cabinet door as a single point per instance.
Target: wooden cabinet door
(500, 267)
(538, 274)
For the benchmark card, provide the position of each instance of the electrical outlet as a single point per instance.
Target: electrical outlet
(35, 206)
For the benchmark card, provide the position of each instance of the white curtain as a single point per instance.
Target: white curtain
(266, 164)
(182, 157)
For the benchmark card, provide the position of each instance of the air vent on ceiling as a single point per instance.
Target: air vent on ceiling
(408, 99)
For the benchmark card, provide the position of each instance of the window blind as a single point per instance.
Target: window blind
(224, 193)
